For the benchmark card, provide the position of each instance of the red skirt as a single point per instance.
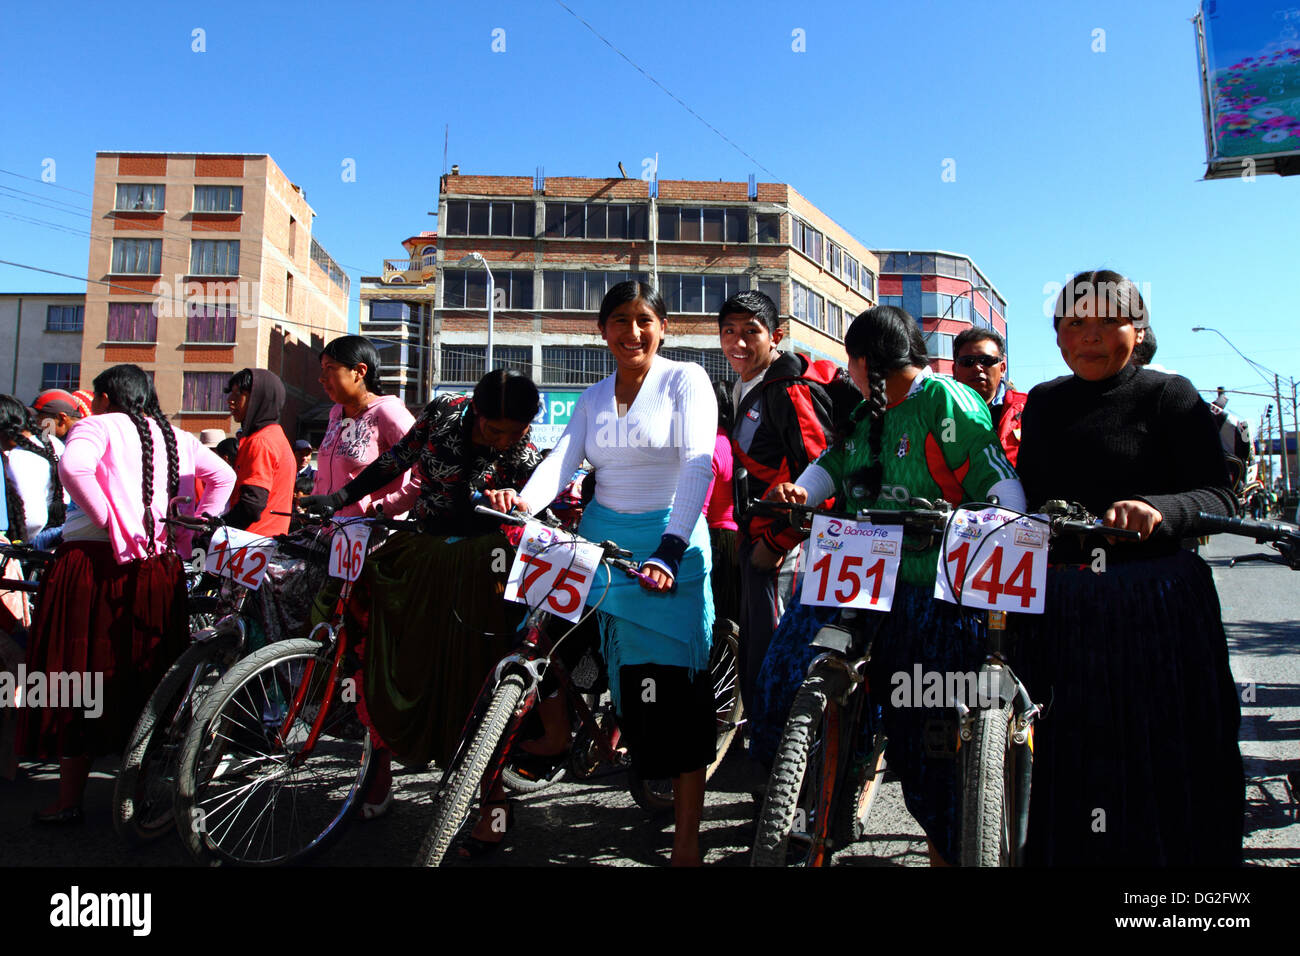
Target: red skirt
(121, 624)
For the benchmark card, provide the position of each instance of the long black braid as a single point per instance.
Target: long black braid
(17, 514)
(889, 339)
(129, 391)
(155, 412)
(45, 448)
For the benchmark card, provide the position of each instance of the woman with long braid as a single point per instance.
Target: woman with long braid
(112, 605)
(33, 494)
(933, 438)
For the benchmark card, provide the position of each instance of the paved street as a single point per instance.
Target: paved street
(597, 823)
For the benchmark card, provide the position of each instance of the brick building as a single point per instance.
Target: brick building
(947, 293)
(556, 245)
(202, 264)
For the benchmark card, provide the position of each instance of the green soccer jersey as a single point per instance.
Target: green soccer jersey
(938, 442)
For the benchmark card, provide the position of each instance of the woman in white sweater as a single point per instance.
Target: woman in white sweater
(649, 431)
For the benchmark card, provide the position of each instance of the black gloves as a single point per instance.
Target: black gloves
(323, 505)
(668, 555)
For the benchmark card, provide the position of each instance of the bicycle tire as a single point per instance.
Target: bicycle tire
(656, 795)
(455, 811)
(233, 751)
(985, 807)
(864, 787)
(144, 793)
(787, 792)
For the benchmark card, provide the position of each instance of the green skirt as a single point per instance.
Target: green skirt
(435, 625)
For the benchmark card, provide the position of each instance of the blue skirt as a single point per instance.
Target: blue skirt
(642, 627)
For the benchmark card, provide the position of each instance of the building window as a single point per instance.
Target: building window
(581, 290)
(938, 345)
(895, 300)
(575, 365)
(703, 224)
(698, 293)
(463, 363)
(329, 266)
(867, 282)
(64, 318)
(288, 293)
(214, 257)
(807, 306)
(769, 226)
(390, 311)
(467, 289)
(576, 220)
(202, 392)
(132, 322)
(210, 324)
(218, 199)
(940, 305)
(64, 375)
(293, 235)
(807, 240)
(772, 289)
(139, 197)
(712, 359)
(834, 321)
(137, 257)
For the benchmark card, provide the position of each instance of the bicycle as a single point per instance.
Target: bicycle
(509, 695)
(276, 758)
(994, 738)
(220, 626)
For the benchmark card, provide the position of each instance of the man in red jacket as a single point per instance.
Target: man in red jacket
(783, 420)
(979, 360)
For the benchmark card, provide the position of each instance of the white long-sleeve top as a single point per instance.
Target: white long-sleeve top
(657, 455)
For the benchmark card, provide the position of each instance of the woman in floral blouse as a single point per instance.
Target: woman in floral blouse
(430, 604)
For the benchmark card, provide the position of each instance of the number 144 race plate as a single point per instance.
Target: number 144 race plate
(995, 560)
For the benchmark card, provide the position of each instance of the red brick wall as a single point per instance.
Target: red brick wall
(142, 165)
(203, 223)
(223, 166)
(142, 223)
(133, 287)
(572, 187)
(489, 185)
(130, 353)
(204, 355)
(699, 189)
(196, 423)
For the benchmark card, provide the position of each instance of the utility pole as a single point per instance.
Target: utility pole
(1281, 421)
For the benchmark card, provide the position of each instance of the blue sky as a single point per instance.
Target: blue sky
(1066, 158)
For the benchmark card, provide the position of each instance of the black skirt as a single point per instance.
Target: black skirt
(1136, 761)
(669, 719)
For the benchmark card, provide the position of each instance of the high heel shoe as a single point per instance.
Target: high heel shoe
(473, 847)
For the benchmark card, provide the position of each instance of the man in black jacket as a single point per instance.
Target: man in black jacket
(783, 421)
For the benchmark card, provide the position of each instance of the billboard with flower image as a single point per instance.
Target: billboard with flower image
(1250, 85)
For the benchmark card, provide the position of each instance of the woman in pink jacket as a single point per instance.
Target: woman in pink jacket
(112, 609)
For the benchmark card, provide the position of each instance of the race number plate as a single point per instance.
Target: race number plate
(851, 564)
(348, 551)
(552, 570)
(239, 555)
(995, 561)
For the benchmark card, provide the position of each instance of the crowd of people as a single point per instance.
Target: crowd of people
(1142, 719)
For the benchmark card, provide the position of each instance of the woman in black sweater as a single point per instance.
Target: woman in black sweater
(1136, 760)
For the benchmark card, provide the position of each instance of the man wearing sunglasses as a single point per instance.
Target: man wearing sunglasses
(979, 360)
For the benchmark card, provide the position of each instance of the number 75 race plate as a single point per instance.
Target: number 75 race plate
(553, 571)
(851, 564)
(995, 560)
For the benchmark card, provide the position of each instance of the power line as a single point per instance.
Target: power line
(9, 172)
(673, 95)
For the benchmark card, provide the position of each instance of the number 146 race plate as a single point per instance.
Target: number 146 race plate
(995, 560)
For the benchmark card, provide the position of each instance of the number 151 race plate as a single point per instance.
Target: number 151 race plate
(551, 570)
(995, 560)
(851, 564)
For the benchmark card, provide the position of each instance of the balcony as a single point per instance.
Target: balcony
(417, 271)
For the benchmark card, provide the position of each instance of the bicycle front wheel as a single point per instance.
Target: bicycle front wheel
(987, 814)
(794, 823)
(249, 789)
(456, 810)
(145, 792)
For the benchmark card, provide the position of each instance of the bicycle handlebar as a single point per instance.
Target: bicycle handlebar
(618, 557)
(379, 518)
(1248, 527)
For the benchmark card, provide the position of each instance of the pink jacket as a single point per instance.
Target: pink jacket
(719, 505)
(351, 444)
(101, 469)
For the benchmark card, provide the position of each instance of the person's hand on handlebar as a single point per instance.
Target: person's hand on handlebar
(506, 500)
(323, 505)
(1134, 515)
(787, 492)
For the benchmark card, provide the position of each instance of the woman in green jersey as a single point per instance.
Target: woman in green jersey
(916, 435)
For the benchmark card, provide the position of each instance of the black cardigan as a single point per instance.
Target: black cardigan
(1140, 435)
